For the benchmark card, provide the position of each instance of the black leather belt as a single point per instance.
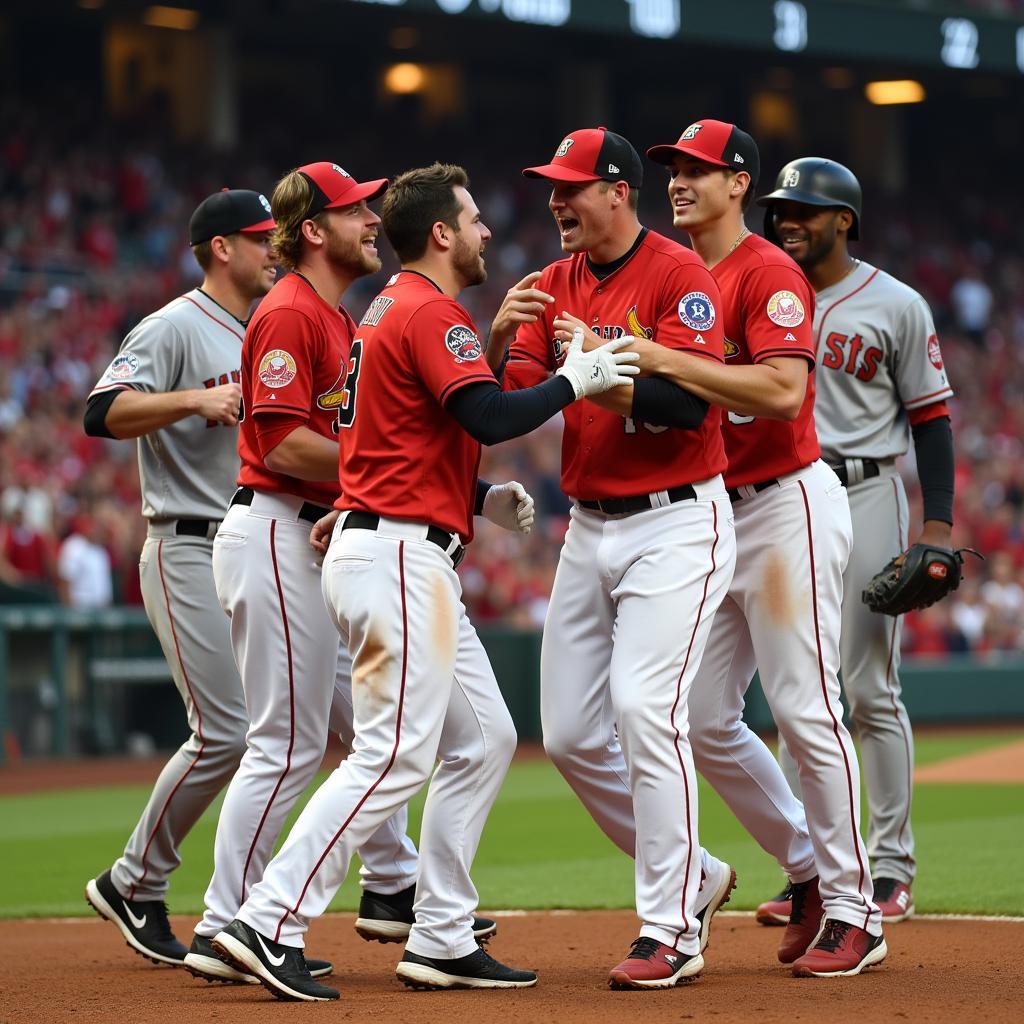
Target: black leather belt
(871, 469)
(192, 527)
(638, 502)
(442, 538)
(736, 493)
(309, 512)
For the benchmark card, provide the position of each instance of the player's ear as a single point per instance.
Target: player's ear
(740, 184)
(311, 231)
(219, 248)
(844, 219)
(442, 234)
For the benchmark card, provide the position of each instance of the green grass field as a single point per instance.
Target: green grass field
(540, 848)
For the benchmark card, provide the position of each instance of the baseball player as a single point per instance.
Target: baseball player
(793, 541)
(266, 577)
(649, 551)
(880, 379)
(417, 401)
(174, 385)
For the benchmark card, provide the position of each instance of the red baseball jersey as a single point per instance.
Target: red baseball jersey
(769, 311)
(402, 454)
(662, 292)
(293, 362)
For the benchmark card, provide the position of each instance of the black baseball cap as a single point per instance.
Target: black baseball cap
(592, 154)
(716, 142)
(229, 211)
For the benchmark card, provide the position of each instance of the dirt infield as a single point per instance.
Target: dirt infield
(1004, 764)
(941, 971)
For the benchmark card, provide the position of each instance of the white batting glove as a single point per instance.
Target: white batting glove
(600, 369)
(509, 506)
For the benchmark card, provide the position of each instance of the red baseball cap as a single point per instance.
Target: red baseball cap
(333, 186)
(716, 142)
(592, 154)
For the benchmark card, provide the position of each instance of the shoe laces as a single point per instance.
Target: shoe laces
(833, 935)
(643, 948)
(159, 910)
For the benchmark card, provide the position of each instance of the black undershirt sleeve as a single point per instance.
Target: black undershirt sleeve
(482, 487)
(95, 418)
(663, 404)
(490, 415)
(933, 446)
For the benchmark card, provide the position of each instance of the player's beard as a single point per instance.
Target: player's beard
(469, 265)
(348, 254)
(819, 248)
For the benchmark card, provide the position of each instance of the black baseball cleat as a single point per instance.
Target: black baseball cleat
(476, 970)
(203, 962)
(143, 923)
(389, 918)
(282, 969)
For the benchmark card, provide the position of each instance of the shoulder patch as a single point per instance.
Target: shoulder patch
(123, 366)
(934, 353)
(463, 343)
(697, 311)
(277, 368)
(785, 309)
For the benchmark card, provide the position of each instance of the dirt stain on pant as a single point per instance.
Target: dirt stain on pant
(776, 591)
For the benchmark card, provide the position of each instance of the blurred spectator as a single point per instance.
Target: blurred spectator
(83, 567)
(972, 305)
(26, 555)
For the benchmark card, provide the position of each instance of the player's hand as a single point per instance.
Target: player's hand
(509, 506)
(523, 304)
(320, 535)
(601, 369)
(219, 404)
(565, 323)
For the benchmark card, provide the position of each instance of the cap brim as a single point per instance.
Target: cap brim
(559, 172)
(363, 190)
(797, 196)
(665, 154)
(264, 225)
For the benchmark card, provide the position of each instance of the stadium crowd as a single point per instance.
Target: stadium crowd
(92, 237)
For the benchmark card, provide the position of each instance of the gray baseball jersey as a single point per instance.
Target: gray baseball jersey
(188, 469)
(878, 357)
(878, 360)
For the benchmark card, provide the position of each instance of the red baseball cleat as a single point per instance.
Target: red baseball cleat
(841, 951)
(804, 920)
(893, 899)
(778, 909)
(652, 964)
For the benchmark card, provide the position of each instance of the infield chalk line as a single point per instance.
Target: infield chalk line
(561, 913)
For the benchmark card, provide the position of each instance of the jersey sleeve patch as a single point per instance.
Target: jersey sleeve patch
(785, 309)
(123, 367)
(277, 368)
(463, 343)
(934, 352)
(697, 311)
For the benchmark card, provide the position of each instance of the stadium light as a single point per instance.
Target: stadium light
(403, 79)
(904, 90)
(182, 18)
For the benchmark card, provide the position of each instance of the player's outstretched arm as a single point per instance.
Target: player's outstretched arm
(129, 413)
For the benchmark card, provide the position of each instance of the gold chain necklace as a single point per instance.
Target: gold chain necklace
(739, 238)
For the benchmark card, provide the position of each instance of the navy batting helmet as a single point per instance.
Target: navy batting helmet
(817, 182)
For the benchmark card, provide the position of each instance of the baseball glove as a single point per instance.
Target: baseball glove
(919, 577)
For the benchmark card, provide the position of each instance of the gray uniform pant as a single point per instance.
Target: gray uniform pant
(178, 592)
(870, 658)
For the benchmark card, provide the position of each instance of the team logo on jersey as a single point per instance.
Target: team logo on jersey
(463, 343)
(636, 328)
(691, 132)
(697, 311)
(785, 309)
(336, 394)
(731, 349)
(277, 368)
(266, 204)
(124, 366)
(564, 148)
(934, 355)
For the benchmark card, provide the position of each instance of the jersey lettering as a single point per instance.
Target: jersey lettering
(860, 362)
(630, 426)
(216, 382)
(376, 310)
(738, 420)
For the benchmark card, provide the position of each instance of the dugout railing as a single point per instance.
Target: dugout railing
(79, 682)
